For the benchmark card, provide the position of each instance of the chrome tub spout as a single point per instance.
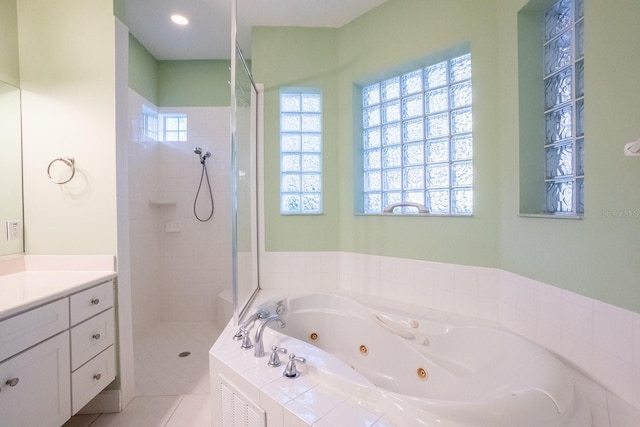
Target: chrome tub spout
(258, 347)
(243, 329)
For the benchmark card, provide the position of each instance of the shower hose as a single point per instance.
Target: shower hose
(203, 175)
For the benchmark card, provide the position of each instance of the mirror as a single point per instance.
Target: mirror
(244, 160)
(10, 167)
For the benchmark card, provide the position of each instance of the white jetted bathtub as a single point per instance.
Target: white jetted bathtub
(425, 372)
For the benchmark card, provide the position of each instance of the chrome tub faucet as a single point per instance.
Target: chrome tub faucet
(258, 349)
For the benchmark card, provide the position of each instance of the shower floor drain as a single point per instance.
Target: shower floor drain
(185, 354)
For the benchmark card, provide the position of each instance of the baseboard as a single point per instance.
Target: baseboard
(107, 401)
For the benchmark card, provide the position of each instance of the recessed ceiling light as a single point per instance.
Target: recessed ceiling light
(179, 19)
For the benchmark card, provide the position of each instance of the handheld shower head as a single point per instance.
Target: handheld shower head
(204, 156)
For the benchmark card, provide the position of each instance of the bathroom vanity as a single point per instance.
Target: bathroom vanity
(57, 343)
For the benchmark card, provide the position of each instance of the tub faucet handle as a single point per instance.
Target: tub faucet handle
(246, 325)
(239, 334)
(246, 340)
(291, 371)
(274, 360)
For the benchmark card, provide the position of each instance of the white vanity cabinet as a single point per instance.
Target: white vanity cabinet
(56, 357)
(92, 338)
(34, 384)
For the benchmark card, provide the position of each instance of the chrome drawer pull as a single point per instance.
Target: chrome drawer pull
(95, 301)
(96, 337)
(97, 377)
(13, 382)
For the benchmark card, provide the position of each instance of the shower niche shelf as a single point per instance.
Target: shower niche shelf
(161, 202)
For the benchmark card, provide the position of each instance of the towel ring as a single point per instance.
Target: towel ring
(69, 161)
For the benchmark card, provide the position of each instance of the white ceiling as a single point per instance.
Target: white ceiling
(208, 35)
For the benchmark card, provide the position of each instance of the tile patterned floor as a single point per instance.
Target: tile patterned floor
(171, 391)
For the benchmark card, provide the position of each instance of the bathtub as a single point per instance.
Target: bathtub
(425, 372)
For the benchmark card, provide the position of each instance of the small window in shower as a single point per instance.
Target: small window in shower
(300, 151)
(175, 127)
(417, 140)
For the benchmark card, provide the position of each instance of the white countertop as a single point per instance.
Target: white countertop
(43, 279)
(29, 289)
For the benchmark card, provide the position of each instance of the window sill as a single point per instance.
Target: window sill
(419, 215)
(551, 216)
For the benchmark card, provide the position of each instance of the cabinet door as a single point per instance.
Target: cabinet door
(40, 395)
(20, 332)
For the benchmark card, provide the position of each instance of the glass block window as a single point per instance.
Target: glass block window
(563, 67)
(175, 127)
(300, 151)
(417, 139)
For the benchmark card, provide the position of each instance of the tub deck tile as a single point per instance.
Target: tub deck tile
(294, 409)
(320, 400)
(351, 414)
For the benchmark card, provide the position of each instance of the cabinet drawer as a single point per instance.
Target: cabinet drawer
(20, 332)
(91, 302)
(91, 378)
(91, 337)
(41, 392)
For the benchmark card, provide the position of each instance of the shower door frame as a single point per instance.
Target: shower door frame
(239, 65)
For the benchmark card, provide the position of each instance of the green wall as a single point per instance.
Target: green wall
(357, 53)
(120, 10)
(68, 109)
(403, 33)
(595, 257)
(299, 57)
(193, 83)
(143, 71)
(9, 67)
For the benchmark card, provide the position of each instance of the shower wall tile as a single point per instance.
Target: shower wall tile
(176, 275)
(201, 266)
(144, 239)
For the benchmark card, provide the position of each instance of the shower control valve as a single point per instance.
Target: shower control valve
(281, 307)
(274, 359)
